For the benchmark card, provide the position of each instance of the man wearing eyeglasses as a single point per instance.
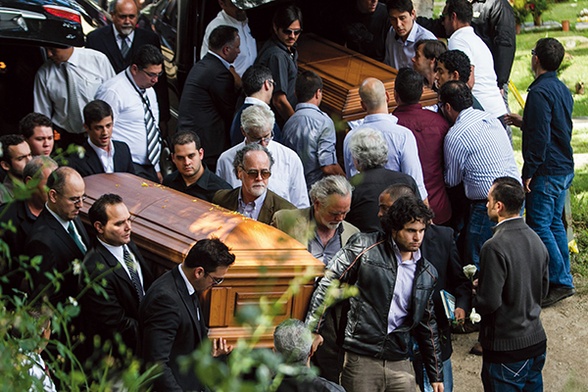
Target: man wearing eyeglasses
(280, 55)
(58, 235)
(253, 166)
(171, 321)
(257, 123)
(209, 97)
(134, 105)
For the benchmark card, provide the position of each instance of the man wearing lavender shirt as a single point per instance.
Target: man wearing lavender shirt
(393, 305)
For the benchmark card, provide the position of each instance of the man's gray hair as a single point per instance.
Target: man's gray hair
(34, 167)
(293, 340)
(328, 186)
(368, 148)
(257, 117)
(240, 156)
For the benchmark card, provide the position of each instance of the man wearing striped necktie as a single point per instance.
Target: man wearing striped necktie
(126, 276)
(134, 106)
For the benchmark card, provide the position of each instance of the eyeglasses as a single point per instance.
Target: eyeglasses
(533, 53)
(290, 32)
(254, 174)
(152, 75)
(261, 140)
(271, 82)
(215, 281)
(75, 200)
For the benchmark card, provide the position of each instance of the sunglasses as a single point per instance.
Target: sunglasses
(290, 32)
(254, 174)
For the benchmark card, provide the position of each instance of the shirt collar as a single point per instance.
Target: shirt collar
(189, 286)
(225, 62)
(256, 101)
(100, 151)
(117, 251)
(63, 223)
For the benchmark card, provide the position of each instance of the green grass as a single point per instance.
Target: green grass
(575, 64)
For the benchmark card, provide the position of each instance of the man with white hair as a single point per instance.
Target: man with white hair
(323, 230)
(293, 340)
(403, 155)
(370, 154)
(257, 123)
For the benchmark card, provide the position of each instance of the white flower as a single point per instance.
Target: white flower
(469, 271)
(77, 267)
(475, 317)
(81, 151)
(72, 301)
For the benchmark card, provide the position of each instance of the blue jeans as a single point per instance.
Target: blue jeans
(447, 378)
(545, 206)
(478, 231)
(516, 377)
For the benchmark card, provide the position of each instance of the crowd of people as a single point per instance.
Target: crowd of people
(421, 192)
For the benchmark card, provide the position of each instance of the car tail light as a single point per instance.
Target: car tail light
(64, 13)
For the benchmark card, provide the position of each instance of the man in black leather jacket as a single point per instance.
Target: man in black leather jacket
(394, 303)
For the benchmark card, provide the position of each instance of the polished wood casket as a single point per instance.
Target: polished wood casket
(343, 70)
(166, 223)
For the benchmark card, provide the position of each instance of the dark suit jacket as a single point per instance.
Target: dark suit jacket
(207, 106)
(273, 203)
(51, 241)
(439, 249)
(23, 220)
(119, 313)
(170, 328)
(91, 164)
(103, 40)
(364, 199)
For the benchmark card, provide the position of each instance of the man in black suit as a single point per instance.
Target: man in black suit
(209, 97)
(58, 235)
(121, 41)
(23, 214)
(252, 165)
(192, 176)
(170, 317)
(114, 260)
(102, 154)
(439, 248)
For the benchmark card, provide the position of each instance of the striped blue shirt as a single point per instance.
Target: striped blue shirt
(477, 151)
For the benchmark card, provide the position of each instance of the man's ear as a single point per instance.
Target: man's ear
(5, 166)
(52, 195)
(199, 272)
(99, 227)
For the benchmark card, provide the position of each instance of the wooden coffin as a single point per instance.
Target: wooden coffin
(166, 223)
(343, 70)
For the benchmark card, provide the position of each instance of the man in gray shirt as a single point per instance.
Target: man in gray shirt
(311, 132)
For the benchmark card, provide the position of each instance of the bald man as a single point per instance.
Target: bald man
(402, 148)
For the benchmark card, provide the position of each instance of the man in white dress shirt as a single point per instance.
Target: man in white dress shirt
(457, 16)
(65, 83)
(230, 15)
(257, 123)
(133, 101)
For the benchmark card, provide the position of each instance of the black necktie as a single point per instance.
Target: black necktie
(130, 263)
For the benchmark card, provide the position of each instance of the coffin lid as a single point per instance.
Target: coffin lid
(167, 223)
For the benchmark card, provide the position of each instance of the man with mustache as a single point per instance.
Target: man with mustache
(252, 165)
